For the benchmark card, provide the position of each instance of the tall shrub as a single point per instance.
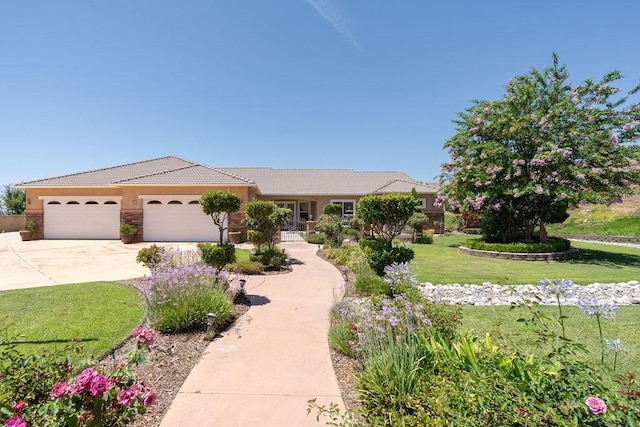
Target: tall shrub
(219, 205)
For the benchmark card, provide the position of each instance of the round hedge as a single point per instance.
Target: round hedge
(553, 244)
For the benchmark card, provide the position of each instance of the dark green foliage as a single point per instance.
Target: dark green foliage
(316, 238)
(332, 209)
(263, 218)
(128, 229)
(553, 244)
(417, 221)
(424, 240)
(150, 256)
(331, 227)
(272, 257)
(217, 255)
(12, 201)
(371, 284)
(387, 214)
(378, 254)
(249, 268)
(29, 226)
(219, 205)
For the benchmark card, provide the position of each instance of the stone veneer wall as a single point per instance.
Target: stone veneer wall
(235, 224)
(38, 218)
(11, 223)
(134, 218)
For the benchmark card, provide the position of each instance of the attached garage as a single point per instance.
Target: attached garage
(81, 217)
(177, 219)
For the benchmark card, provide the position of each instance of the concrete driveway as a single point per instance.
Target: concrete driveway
(55, 262)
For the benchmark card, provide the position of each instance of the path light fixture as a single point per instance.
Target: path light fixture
(242, 283)
(211, 318)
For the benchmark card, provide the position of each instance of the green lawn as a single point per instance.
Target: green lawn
(442, 263)
(101, 314)
(627, 226)
(501, 322)
(243, 255)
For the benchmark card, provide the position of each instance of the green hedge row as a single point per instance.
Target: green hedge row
(553, 244)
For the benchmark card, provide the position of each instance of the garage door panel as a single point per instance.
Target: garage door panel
(82, 221)
(178, 223)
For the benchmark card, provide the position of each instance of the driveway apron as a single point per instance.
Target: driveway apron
(263, 371)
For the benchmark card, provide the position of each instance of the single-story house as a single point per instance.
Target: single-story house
(160, 196)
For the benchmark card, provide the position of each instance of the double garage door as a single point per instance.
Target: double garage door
(166, 219)
(177, 220)
(81, 219)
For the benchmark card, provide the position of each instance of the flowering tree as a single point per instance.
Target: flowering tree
(545, 146)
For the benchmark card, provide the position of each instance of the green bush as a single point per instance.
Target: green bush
(217, 255)
(128, 229)
(424, 240)
(249, 268)
(316, 238)
(272, 257)
(350, 256)
(149, 257)
(379, 255)
(554, 244)
(370, 283)
(341, 337)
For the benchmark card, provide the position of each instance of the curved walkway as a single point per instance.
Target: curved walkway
(274, 359)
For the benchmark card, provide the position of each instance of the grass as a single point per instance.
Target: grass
(501, 322)
(101, 314)
(243, 255)
(442, 263)
(627, 226)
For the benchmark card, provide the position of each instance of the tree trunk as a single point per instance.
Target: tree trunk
(543, 232)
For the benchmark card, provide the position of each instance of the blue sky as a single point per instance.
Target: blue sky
(362, 84)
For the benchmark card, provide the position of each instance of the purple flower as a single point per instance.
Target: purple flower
(593, 307)
(19, 406)
(99, 385)
(83, 382)
(59, 389)
(563, 287)
(614, 345)
(127, 395)
(15, 421)
(596, 405)
(149, 398)
(145, 336)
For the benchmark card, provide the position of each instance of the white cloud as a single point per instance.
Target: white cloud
(332, 15)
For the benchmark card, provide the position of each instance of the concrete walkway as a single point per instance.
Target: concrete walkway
(275, 358)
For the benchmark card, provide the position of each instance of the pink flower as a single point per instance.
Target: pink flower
(128, 395)
(596, 405)
(146, 336)
(354, 327)
(149, 398)
(83, 382)
(19, 406)
(477, 121)
(59, 390)
(99, 385)
(539, 190)
(15, 421)
(523, 412)
(474, 130)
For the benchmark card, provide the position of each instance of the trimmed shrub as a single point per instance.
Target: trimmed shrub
(150, 257)
(273, 257)
(249, 268)
(316, 238)
(371, 284)
(553, 244)
(425, 239)
(378, 254)
(217, 255)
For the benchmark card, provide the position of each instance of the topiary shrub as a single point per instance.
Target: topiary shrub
(378, 254)
(151, 256)
(424, 240)
(217, 255)
(273, 257)
(249, 268)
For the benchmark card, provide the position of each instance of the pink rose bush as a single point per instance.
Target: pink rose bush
(92, 398)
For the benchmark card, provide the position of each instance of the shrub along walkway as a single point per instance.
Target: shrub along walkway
(265, 368)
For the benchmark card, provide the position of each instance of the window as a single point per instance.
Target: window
(91, 202)
(53, 203)
(73, 202)
(348, 207)
(110, 202)
(154, 202)
(423, 203)
(175, 202)
(304, 210)
(194, 202)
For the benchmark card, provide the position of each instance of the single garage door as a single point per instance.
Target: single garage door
(78, 219)
(177, 221)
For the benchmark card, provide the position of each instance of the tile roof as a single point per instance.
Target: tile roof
(331, 182)
(163, 170)
(173, 170)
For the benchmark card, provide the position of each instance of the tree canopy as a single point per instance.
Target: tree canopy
(12, 201)
(219, 205)
(545, 146)
(386, 214)
(262, 219)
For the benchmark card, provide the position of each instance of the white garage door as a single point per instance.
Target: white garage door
(78, 219)
(177, 221)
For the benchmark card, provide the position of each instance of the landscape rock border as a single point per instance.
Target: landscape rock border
(571, 253)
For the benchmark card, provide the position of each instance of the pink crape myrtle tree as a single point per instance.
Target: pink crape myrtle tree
(547, 145)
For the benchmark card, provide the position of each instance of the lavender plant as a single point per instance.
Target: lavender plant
(600, 310)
